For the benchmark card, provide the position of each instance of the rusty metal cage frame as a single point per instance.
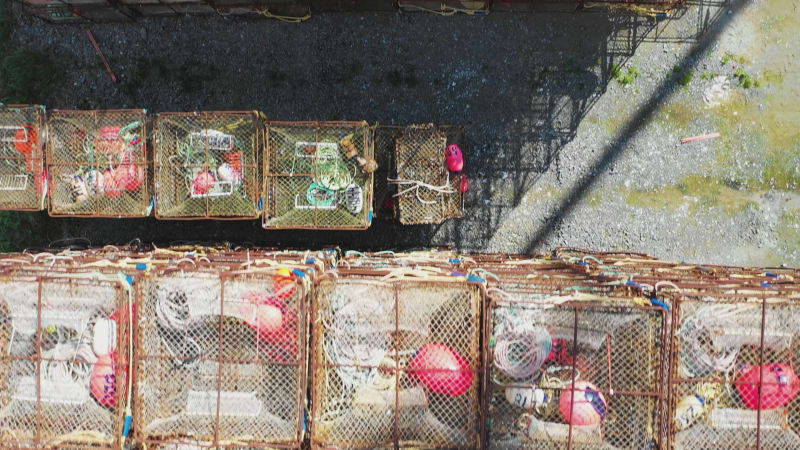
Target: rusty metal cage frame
(34, 127)
(113, 437)
(392, 280)
(300, 293)
(657, 394)
(72, 162)
(249, 173)
(274, 173)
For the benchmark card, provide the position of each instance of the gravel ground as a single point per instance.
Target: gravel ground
(560, 150)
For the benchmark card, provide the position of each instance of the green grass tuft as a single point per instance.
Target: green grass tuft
(624, 78)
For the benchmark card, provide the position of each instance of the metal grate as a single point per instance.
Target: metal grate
(426, 191)
(23, 183)
(207, 165)
(97, 164)
(221, 358)
(64, 357)
(395, 363)
(310, 183)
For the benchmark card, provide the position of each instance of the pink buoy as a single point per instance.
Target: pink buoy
(589, 407)
(464, 184)
(779, 385)
(441, 369)
(455, 160)
(203, 182)
(267, 314)
(103, 382)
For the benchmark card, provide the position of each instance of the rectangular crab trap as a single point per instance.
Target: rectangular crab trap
(23, 183)
(221, 358)
(395, 363)
(64, 360)
(207, 165)
(318, 175)
(97, 164)
(733, 371)
(428, 191)
(573, 374)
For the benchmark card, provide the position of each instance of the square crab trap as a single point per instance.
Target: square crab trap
(97, 164)
(395, 363)
(206, 165)
(23, 183)
(734, 371)
(64, 352)
(430, 185)
(221, 358)
(318, 175)
(579, 374)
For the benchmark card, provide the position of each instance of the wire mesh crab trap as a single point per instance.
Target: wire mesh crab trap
(734, 380)
(221, 359)
(206, 165)
(23, 183)
(64, 347)
(97, 164)
(573, 374)
(318, 175)
(395, 364)
(427, 191)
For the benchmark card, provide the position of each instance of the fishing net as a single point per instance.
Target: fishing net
(221, 357)
(63, 361)
(310, 182)
(613, 349)
(395, 363)
(23, 184)
(734, 374)
(206, 165)
(97, 164)
(427, 192)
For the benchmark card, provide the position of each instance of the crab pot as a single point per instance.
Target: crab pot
(427, 192)
(446, 7)
(63, 361)
(573, 374)
(312, 177)
(97, 164)
(206, 165)
(734, 371)
(23, 184)
(221, 359)
(395, 363)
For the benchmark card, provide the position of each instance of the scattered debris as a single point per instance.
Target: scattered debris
(702, 137)
(717, 92)
(102, 57)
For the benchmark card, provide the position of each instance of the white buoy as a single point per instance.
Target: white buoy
(104, 338)
(527, 397)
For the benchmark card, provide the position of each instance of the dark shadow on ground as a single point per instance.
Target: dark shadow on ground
(520, 84)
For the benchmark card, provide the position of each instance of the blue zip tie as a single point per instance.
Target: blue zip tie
(767, 285)
(127, 428)
(299, 273)
(476, 279)
(583, 263)
(772, 275)
(369, 220)
(455, 261)
(633, 283)
(311, 260)
(261, 203)
(141, 266)
(458, 274)
(129, 279)
(656, 302)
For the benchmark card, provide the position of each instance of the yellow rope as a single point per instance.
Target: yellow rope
(445, 10)
(288, 19)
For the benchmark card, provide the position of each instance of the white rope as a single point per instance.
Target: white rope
(415, 186)
(702, 354)
(520, 355)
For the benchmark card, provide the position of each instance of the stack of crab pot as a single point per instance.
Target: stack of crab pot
(97, 164)
(207, 165)
(396, 359)
(23, 183)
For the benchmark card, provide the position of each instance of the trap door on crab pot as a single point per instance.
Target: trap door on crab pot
(23, 183)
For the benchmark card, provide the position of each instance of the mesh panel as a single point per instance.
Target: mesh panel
(206, 165)
(221, 359)
(97, 164)
(72, 333)
(22, 180)
(726, 353)
(618, 365)
(396, 364)
(310, 183)
(420, 158)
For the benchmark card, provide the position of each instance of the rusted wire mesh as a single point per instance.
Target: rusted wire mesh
(207, 165)
(97, 164)
(23, 183)
(573, 373)
(395, 363)
(733, 371)
(427, 192)
(64, 358)
(309, 182)
(221, 358)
